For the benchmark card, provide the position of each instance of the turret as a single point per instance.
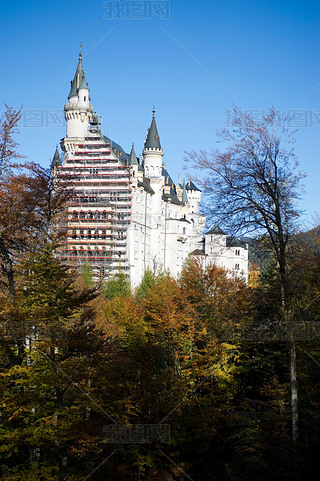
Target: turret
(56, 161)
(194, 196)
(152, 152)
(78, 110)
(132, 160)
(184, 193)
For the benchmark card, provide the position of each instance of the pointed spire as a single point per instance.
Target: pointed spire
(132, 160)
(79, 80)
(56, 161)
(153, 140)
(184, 193)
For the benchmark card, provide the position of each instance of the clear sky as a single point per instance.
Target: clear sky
(191, 59)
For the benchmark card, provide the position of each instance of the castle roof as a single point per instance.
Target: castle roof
(79, 80)
(145, 183)
(215, 230)
(190, 186)
(132, 159)
(153, 140)
(184, 194)
(198, 252)
(234, 242)
(56, 161)
(118, 150)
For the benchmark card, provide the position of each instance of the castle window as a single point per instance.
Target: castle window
(237, 252)
(84, 98)
(184, 230)
(237, 266)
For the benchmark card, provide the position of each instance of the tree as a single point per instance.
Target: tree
(117, 286)
(8, 127)
(62, 352)
(252, 187)
(29, 200)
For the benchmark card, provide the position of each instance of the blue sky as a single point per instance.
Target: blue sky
(193, 66)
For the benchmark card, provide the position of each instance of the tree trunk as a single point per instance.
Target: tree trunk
(7, 266)
(292, 355)
(294, 392)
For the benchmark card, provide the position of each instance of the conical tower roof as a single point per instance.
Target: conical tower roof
(56, 161)
(79, 80)
(184, 193)
(132, 160)
(153, 140)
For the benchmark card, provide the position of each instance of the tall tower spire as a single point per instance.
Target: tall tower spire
(78, 111)
(152, 151)
(79, 80)
(153, 139)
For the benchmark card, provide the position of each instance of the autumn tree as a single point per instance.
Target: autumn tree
(29, 200)
(252, 187)
(44, 412)
(8, 146)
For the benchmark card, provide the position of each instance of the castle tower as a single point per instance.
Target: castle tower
(78, 111)
(56, 161)
(152, 152)
(194, 196)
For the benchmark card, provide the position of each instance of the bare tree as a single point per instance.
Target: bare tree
(252, 187)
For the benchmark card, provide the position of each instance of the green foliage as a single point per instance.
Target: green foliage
(148, 282)
(86, 275)
(117, 286)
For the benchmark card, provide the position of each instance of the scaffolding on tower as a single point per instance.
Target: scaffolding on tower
(98, 213)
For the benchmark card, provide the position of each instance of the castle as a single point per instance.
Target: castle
(126, 212)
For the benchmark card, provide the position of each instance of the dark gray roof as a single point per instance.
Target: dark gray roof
(78, 80)
(56, 161)
(145, 183)
(116, 148)
(172, 197)
(153, 140)
(132, 159)
(83, 84)
(198, 252)
(234, 242)
(190, 186)
(215, 230)
(184, 194)
(166, 176)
